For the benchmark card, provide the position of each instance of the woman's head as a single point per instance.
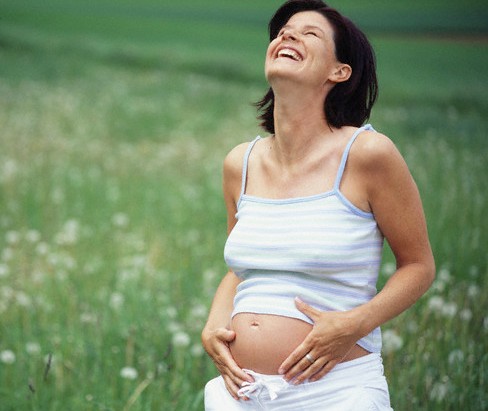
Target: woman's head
(348, 102)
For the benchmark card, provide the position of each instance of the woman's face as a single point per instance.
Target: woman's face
(303, 51)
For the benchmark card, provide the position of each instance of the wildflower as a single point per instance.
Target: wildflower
(388, 269)
(456, 356)
(42, 249)
(435, 303)
(465, 314)
(33, 348)
(181, 339)
(449, 310)
(199, 312)
(7, 357)
(116, 301)
(128, 373)
(391, 341)
(4, 271)
(196, 350)
(23, 299)
(33, 236)
(120, 220)
(12, 237)
(473, 291)
(444, 275)
(439, 391)
(69, 233)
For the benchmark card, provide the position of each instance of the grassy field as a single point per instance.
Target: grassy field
(115, 117)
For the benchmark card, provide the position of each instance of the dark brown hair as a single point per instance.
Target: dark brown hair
(348, 103)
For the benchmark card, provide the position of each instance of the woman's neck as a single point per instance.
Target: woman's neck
(300, 126)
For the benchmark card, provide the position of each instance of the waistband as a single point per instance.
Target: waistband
(343, 374)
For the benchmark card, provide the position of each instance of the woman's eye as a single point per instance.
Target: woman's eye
(311, 33)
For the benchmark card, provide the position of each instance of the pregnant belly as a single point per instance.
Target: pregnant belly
(264, 341)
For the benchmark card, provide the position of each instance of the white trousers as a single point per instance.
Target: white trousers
(357, 385)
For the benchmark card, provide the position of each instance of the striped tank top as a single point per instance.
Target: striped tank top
(320, 248)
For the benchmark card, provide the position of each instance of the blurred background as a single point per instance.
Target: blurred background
(115, 117)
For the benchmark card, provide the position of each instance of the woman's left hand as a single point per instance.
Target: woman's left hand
(334, 334)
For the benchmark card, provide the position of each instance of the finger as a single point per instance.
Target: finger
(309, 370)
(294, 358)
(304, 369)
(231, 387)
(306, 309)
(325, 369)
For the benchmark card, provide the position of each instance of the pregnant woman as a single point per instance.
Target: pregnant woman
(294, 324)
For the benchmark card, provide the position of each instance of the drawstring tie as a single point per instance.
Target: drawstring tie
(254, 388)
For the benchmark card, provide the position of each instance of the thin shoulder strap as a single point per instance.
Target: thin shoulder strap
(345, 155)
(244, 165)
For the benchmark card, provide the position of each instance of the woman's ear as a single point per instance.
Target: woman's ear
(342, 73)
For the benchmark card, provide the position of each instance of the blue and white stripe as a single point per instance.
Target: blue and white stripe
(320, 248)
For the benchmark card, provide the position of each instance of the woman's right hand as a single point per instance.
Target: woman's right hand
(216, 343)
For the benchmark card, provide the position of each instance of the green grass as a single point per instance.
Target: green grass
(114, 121)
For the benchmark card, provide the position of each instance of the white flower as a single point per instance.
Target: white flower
(116, 301)
(12, 237)
(33, 236)
(465, 314)
(33, 348)
(7, 357)
(4, 271)
(120, 220)
(473, 291)
(181, 339)
(23, 299)
(388, 269)
(449, 310)
(455, 357)
(197, 350)
(444, 275)
(391, 341)
(439, 391)
(435, 303)
(199, 311)
(129, 373)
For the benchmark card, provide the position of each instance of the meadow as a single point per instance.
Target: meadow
(115, 117)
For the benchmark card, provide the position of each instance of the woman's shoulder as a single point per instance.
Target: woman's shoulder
(374, 150)
(234, 160)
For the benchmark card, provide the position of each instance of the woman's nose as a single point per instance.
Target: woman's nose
(289, 35)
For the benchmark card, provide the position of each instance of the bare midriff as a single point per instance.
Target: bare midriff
(264, 341)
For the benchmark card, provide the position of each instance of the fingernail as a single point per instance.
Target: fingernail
(281, 371)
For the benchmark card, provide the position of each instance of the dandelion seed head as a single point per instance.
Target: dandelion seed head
(32, 348)
(22, 299)
(455, 357)
(4, 271)
(120, 220)
(388, 269)
(197, 350)
(12, 237)
(116, 301)
(33, 236)
(465, 314)
(435, 303)
(391, 341)
(439, 391)
(449, 310)
(473, 291)
(181, 339)
(129, 373)
(7, 357)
